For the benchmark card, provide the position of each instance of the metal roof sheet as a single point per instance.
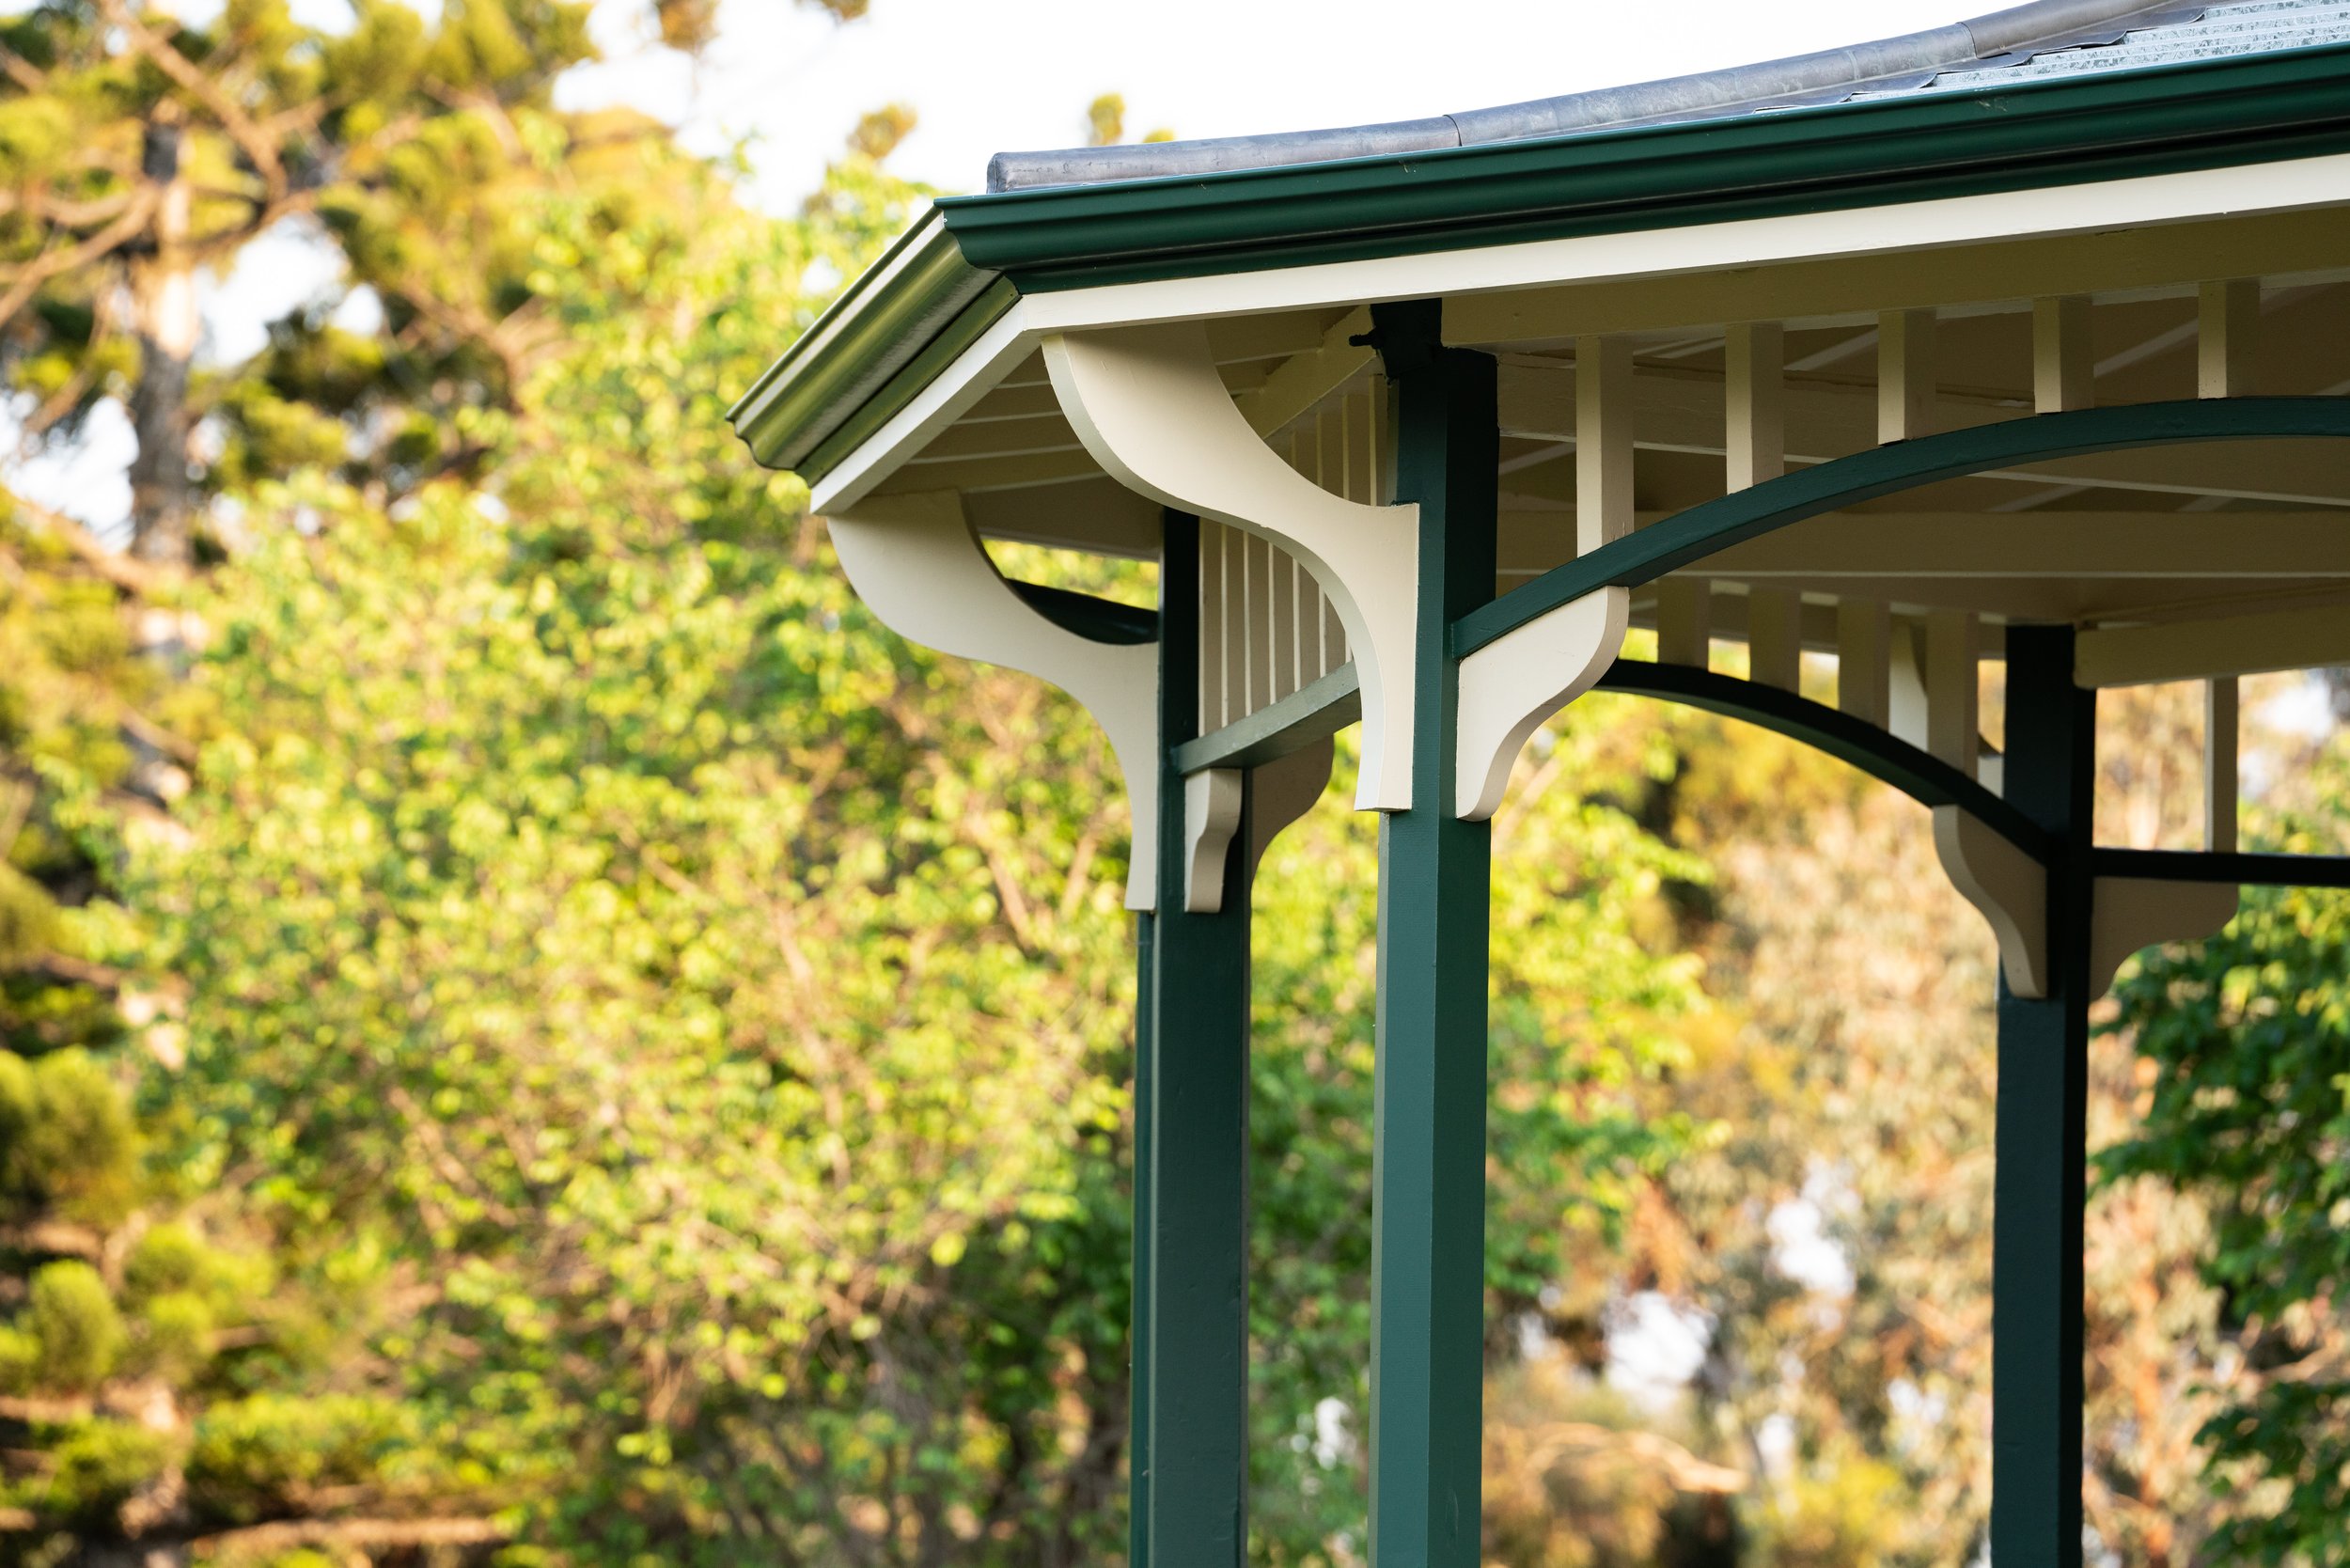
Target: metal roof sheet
(2036, 42)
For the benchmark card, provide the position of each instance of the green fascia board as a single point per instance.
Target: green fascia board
(851, 355)
(2201, 114)
(970, 257)
(1712, 526)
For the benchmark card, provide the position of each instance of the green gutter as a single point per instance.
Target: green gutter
(851, 356)
(971, 258)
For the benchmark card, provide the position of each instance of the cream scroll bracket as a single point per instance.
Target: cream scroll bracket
(1149, 406)
(1512, 684)
(2126, 914)
(917, 562)
(1285, 790)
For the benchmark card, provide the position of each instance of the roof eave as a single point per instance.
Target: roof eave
(966, 262)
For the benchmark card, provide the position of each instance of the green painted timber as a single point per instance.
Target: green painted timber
(1318, 708)
(2245, 870)
(919, 289)
(1191, 1472)
(1428, 1177)
(968, 260)
(1138, 1305)
(1089, 615)
(2039, 1188)
(1691, 536)
(2065, 131)
(1917, 773)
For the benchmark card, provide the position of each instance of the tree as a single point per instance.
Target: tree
(136, 150)
(2245, 1042)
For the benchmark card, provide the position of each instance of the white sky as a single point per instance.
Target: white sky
(1002, 74)
(990, 76)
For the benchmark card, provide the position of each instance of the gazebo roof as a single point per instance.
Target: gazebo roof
(1897, 122)
(2036, 42)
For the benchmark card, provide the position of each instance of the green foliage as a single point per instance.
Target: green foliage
(99, 1466)
(2249, 1041)
(71, 1315)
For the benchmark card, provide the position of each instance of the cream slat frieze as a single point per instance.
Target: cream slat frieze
(918, 565)
(1684, 622)
(1774, 637)
(1604, 409)
(2227, 329)
(2064, 355)
(1864, 660)
(1151, 408)
(1954, 693)
(1906, 399)
(2222, 700)
(1754, 383)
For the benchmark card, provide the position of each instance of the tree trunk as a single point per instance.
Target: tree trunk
(165, 323)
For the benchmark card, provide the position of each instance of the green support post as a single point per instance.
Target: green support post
(1190, 1462)
(1428, 1215)
(2042, 1151)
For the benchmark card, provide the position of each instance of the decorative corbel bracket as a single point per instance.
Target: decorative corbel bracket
(1149, 406)
(917, 563)
(1282, 791)
(1512, 684)
(2125, 913)
(2008, 885)
(2131, 913)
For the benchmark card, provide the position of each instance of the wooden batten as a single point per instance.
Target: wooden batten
(1774, 637)
(1754, 403)
(1953, 700)
(1864, 660)
(1684, 622)
(2064, 355)
(2227, 328)
(2220, 777)
(1905, 397)
(1603, 440)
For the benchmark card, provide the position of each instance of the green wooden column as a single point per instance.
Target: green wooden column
(2041, 1186)
(1190, 1462)
(1428, 1215)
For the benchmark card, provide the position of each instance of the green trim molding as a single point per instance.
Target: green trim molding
(970, 257)
(1712, 526)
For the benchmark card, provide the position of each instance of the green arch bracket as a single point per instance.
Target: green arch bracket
(1714, 526)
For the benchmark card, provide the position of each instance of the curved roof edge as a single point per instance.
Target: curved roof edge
(2039, 24)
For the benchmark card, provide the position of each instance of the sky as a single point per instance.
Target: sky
(991, 75)
(788, 83)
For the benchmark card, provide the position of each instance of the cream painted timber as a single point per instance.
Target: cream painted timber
(1604, 406)
(2280, 217)
(1684, 622)
(2117, 545)
(1512, 684)
(2064, 355)
(2227, 326)
(1284, 789)
(1148, 406)
(2007, 886)
(2305, 638)
(2222, 782)
(1681, 410)
(2131, 913)
(918, 565)
(1906, 392)
(1212, 811)
(1864, 661)
(1754, 397)
(1774, 637)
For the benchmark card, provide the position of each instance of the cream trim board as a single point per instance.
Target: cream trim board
(919, 566)
(2296, 185)
(1149, 406)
